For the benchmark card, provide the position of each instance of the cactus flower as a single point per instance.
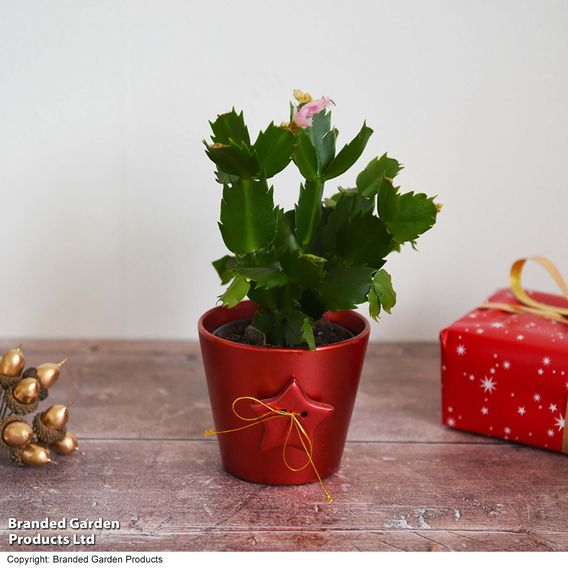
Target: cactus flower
(302, 97)
(302, 116)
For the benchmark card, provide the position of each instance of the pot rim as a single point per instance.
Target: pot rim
(204, 332)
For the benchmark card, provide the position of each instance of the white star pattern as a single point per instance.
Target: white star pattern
(546, 361)
(560, 422)
(550, 432)
(540, 371)
(488, 385)
(506, 365)
(507, 430)
(484, 410)
(536, 397)
(520, 337)
(450, 409)
(492, 370)
(521, 410)
(472, 377)
(480, 331)
(552, 408)
(451, 422)
(460, 350)
(497, 324)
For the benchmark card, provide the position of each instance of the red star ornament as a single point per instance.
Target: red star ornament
(291, 399)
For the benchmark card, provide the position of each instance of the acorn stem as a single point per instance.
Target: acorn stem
(62, 362)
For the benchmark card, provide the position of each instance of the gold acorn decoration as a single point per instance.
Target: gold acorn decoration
(67, 445)
(55, 417)
(17, 434)
(26, 391)
(20, 394)
(36, 455)
(12, 362)
(48, 373)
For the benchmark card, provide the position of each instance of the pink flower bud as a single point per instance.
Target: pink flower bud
(302, 116)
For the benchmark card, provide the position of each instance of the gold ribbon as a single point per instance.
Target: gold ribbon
(531, 306)
(294, 423)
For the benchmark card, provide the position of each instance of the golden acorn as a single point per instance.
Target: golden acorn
(17, 434)
(48, 373)
(26, 391)
(55, 417)
(12, 362)
(36, 455)
(67, 445)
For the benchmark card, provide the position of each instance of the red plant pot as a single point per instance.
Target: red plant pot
(319, 385)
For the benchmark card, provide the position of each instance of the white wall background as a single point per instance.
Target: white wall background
(108, 206)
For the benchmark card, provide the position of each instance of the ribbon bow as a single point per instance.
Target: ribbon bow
(531, 306)
(270, 414)
(528, 304)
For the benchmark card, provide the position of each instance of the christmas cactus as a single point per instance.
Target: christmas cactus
(326, 254)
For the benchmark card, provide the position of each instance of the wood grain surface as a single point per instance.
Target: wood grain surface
(406, 482)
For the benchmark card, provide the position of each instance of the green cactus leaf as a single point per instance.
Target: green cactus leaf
(248, 216)
(234, 159)
(305, 269)
(349, 154)
(406, 216)
(345, 286)
(370, 179)
(285, 235)
(364, 240)
(307, 332)
(230, 126)
(323, 137)
(225, 268)
(308, 211)
(382, 286)
(305, 156)
(236, 291)
(274, 148)
(374, 304)
(265, 276)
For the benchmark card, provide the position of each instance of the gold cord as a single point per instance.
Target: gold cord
(294, 423)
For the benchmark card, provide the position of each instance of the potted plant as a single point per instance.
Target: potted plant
(283, 368)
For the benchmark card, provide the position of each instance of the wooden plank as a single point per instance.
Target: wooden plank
(156, 389)
(215, 539)
(174, 495)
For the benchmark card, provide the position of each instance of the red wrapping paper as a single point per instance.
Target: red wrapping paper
(506, 375)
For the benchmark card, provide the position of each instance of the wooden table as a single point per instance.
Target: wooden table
(406, 483)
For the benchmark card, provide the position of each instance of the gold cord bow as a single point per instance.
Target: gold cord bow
(531, 306)
(270, 414)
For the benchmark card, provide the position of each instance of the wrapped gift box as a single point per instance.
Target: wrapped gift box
(506, 374)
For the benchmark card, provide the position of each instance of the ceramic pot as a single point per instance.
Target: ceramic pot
(320, 386)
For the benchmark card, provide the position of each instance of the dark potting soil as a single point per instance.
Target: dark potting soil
(242, 331)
